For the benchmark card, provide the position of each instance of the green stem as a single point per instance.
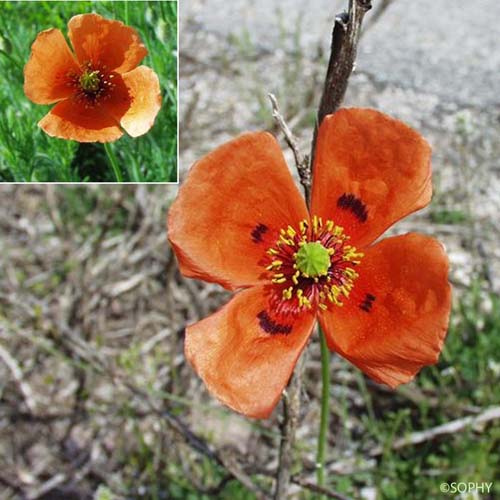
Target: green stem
(113, 162)
(325, 409)
(126, 12)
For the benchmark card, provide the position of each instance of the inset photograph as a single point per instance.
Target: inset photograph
(89, 92)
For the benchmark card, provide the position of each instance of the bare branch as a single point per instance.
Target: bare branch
(345, 37)
(452, 427)
(301, 161)
(344, 47)
(291, 409)
(380, 9)
(317, 489)
(220, 457)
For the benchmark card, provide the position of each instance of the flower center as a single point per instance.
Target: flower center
(313, 265)
(92, 84)
(90, 81)
(312, 259)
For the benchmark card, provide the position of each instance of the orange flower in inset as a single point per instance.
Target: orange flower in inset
(240, 221)
(98, 88)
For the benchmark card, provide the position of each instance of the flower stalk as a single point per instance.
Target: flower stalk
(345, 38)
(325, 409)
(126, 12)
(113, 162)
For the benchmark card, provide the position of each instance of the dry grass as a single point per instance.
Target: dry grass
(95, 391)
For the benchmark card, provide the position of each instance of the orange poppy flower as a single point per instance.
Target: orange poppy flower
(240, 221)
(99, 88)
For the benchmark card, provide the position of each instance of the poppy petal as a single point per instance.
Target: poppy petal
(71, 120)
(104, 42)
(46, 72)
(396, 317)
(370, 170)
(230, 210)
(136, 103)
(246, 356)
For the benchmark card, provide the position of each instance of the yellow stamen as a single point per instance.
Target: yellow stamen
(308, 267)
(274, 264)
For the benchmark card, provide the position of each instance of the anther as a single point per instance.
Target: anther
(315, 265)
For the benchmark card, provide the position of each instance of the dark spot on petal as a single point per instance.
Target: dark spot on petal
(257, 232)
(366, 304)
(272, 327)
(354, 205)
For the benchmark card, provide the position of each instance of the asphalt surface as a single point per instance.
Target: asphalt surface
(450, 49)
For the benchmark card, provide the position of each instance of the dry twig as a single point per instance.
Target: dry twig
(452, 427)
(317, 489)
(344, 48)
(17, 375)
(291, 408)
(379, 11)
(345, 37)
(301, 161)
